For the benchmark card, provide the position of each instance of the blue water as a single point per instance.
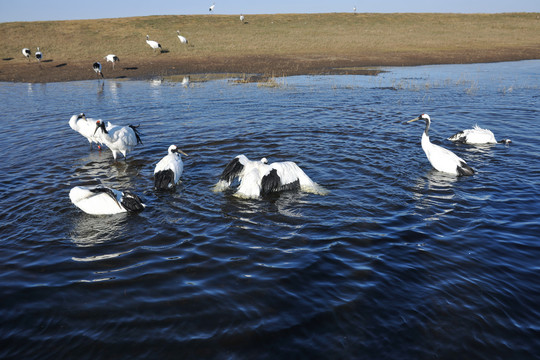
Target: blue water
(397, 261)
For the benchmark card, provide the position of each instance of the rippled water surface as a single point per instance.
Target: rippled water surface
(397, 261)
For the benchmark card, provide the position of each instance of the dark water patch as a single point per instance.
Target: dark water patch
(396, 261)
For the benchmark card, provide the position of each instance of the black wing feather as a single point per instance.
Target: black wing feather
(464, 170)
(132, 202)
(270, 183)
(137, 133)
(232, 170)
(163, 178)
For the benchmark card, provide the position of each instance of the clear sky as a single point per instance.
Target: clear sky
(32, 10)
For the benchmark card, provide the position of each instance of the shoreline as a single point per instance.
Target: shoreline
(250, 66)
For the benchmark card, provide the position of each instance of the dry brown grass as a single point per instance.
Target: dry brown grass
(292, 39)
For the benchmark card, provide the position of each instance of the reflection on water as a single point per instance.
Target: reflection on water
(434, 195)
(393, 262)
(92, 230)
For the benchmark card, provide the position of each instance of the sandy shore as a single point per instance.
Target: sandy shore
(51, 70)
(268, 45)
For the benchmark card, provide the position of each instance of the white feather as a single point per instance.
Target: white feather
(476, 135)
(172, 161)
(96, 203)
(118, 138)
(253, 172)
(440, 158)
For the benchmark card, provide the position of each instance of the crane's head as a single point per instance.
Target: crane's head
(81, 116)
(175, 149)
(100, 125)
(424, 117)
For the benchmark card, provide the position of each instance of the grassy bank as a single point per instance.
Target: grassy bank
(339, 39)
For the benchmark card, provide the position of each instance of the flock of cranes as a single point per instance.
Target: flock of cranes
(255, 178)
(251, 179)
(444, 160)
(27, 54)
(97, 67)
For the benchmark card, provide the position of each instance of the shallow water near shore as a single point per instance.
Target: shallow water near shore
(396, 261)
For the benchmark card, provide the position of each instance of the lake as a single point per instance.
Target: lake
(397, 261)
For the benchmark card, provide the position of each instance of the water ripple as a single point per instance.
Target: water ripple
(396, 261)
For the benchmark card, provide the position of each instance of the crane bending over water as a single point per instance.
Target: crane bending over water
(100, 200)
(477, 135)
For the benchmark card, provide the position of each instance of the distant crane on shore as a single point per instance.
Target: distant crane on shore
(182, 39)
(112, 58)
(39, 55)
(153, 44)
(242, 18)
(211, 8)
(27, 53)
(97, 68)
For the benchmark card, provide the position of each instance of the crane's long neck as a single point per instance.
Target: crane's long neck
(426, 144)
(427, 128)
(105, 134)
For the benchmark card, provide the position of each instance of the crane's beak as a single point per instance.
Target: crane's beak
(410, 121)
(181, 152)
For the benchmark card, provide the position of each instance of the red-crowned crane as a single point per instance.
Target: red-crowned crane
(476, 136)
(97, 68)
(120, 139)
(112, 58)
(27, 53)
(153, 44)
(100, 200)
(169, 169)
(440, 158)
(260, 179)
